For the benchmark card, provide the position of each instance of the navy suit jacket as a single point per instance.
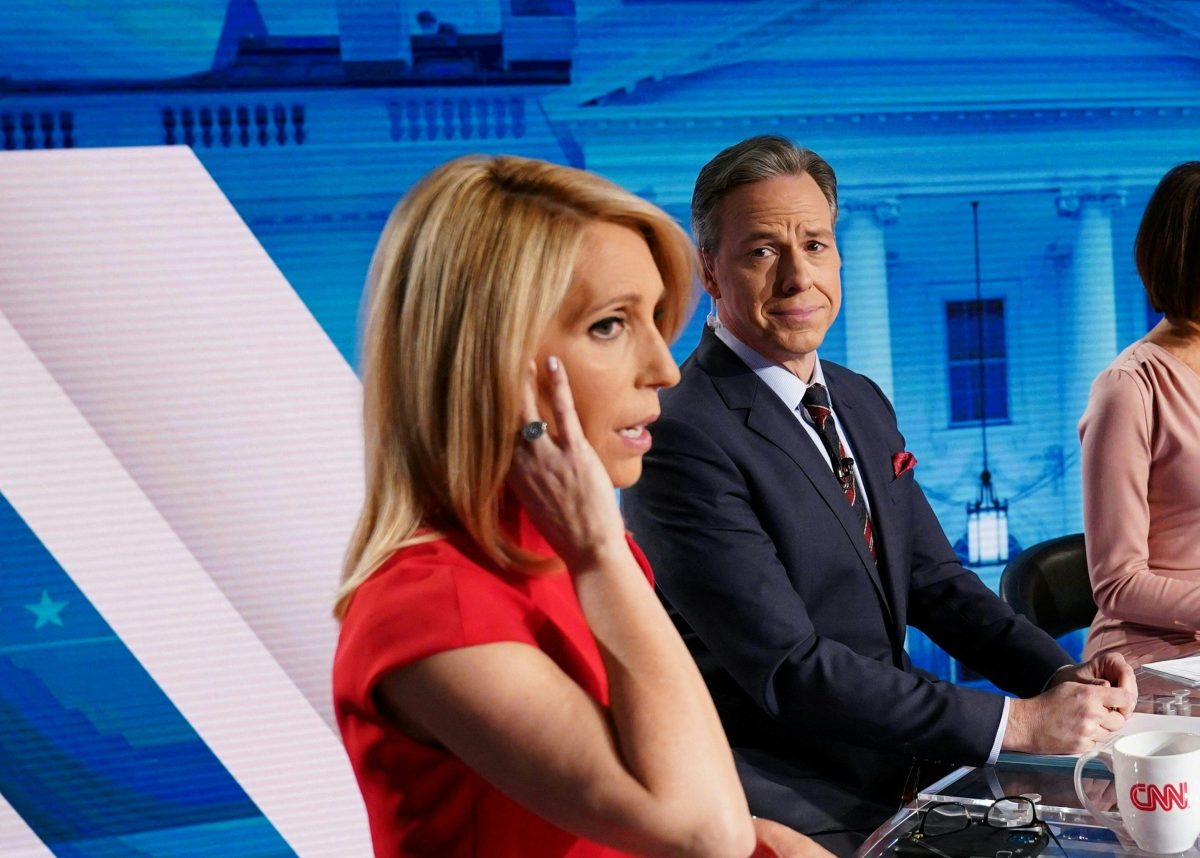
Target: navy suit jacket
(799, 635)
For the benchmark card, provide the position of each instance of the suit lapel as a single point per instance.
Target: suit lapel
(767, 416)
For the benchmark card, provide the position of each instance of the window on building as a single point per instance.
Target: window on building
(967, 405)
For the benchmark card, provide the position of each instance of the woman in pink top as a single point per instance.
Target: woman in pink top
(1141, 450)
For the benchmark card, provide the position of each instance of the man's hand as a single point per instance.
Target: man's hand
(779, 841)
(1109, 669)
(1068, 718)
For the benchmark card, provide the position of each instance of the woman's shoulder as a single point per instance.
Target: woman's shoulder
(1121, 396)
(1136, 368)
(1143, 386)
(438, 574)
(1148, 361)
(1145, 371)
(426, 598)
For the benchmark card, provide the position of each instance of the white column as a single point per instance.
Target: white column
(865, 287)
(1089, 307)
(1089, 321)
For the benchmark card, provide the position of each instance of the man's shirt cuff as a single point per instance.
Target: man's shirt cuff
(995, 752)
(1004, 717)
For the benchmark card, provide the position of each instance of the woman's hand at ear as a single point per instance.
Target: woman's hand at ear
(561, 482)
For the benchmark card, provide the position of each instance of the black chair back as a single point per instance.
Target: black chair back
(1048, 583)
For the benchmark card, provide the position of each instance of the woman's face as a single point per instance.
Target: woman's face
(614, 355)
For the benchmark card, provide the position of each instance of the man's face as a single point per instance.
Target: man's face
(776, 273)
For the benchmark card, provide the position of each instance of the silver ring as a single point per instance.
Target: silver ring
(533, 430)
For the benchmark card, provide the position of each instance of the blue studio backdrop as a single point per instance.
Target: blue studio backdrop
(1055, 117)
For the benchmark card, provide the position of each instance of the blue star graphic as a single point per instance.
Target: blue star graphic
(46, 611)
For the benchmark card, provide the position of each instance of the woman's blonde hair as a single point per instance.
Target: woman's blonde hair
(471, 267)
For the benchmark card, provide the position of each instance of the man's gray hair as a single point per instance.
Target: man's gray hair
(753, 160)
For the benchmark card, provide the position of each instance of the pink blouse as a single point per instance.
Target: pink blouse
(1141, 505)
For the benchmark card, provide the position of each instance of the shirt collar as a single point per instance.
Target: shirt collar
(787, 386)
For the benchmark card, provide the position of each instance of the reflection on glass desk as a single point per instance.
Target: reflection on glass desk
(1049, 782)
(1166, 695)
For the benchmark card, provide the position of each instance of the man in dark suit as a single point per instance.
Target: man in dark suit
(793, 546)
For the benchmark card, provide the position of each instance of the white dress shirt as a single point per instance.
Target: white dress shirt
(791, 389)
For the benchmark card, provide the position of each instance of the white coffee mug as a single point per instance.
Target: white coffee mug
(1158, 788)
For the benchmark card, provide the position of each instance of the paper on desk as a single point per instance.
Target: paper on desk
(1140, 722)
(1187, 669)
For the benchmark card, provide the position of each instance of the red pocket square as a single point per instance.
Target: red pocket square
(903, 462)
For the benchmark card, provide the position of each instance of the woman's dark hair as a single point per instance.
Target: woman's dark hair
(1167, 249)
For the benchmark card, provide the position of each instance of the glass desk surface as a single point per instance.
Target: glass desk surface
(1050, 782)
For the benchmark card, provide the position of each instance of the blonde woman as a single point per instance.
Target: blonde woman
(506, 682)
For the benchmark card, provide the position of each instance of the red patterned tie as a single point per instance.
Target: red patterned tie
(816, 403)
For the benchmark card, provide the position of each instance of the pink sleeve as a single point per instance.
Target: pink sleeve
(1116, 433)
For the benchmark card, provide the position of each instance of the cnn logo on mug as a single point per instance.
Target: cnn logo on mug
(1155, 797)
